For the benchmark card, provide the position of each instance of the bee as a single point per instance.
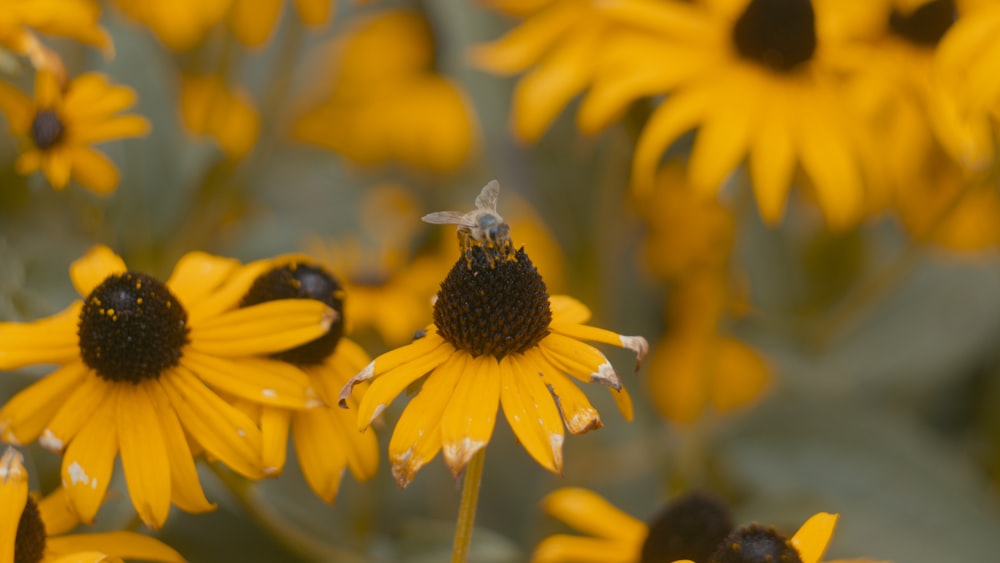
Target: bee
(482, 226)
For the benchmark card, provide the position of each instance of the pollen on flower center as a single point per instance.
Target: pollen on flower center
(780, 34)
(926, 25)
(690, 527)
(302, 281)
(755, 544)
(490, 306)
(132, 328)
(29, 544)
(46, 129)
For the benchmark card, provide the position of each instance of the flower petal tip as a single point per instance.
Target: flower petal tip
(12, 466)
(637, 344)
(363, 375)
(457, 455)
(50, 441)
(606, 375)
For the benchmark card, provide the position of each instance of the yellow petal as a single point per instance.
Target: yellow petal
(56, 166)
(111, 128)
(470, 416)
(526, 44)
(416, 438)
(145, 459)
(679, 113)
(579, 359)
(93, 170)
(88, 462)
(274, 435)
(314, 12)
(258, 380)
(567, 309)
(262, 329)
(813, 537)
(563, 548)
(577, 412)
(253, 20)
(589, 513)
(27, 413)
(56, 513)
(87, 557)
(52, 340)
(742, 375)
(637, 344)
(13, 499)
(223, 431)
(677, 21)
(91, 97)
(94, 267)
(725, 132)
(91, 394)
(18, 108)
(386, 386)
(47, 90)
(197, 274)
(772, 158)
(321, 455)
(623, 400)
(185, 487)
(531, 413)
(127, 545)
(29, 162)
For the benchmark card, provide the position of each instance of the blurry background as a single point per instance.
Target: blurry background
(794, 369)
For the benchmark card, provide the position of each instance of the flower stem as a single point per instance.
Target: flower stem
(467, 509)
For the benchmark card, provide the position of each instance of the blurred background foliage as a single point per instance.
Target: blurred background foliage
(794, 369)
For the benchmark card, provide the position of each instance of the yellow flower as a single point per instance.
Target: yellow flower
(33, 530)
(75, 19)
(253, 21)
(693, 527)
(326, 438)
(754, 89)
(557, 48)
(59, 125)
(498, 340)
(387, 104)
(137, 359)
(209, 107)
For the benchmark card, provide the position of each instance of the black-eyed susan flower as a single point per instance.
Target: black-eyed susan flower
(694, 528)
(35, 531)
(211, 108)
(387, 103)
(61, 123)
(756, 78)
(326, 438)
(74, 19)
(498, 340)
(139, 359)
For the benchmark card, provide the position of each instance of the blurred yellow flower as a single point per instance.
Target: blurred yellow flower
(75, 19)
(498, 340)
(209, 107)
(387, 103)
(33, 530)
(756, 78)
(137, 357)
(60, 123)
(326, 438)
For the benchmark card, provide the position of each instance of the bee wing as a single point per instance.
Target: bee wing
(445, 218)
(487, 199)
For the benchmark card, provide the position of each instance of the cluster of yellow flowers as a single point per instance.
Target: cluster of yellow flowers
(872, 107)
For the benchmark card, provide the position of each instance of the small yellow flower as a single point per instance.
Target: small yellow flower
(387, 103)
(209, 107)
(138, 360)
(75, 19)
(498, 340)
(694, 528)
(326, 438)
(60, 124)
(33, 530)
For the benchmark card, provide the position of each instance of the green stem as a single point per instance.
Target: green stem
(467, 509)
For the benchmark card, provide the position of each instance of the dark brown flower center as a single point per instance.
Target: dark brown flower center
(132, 328)
(690, 527)
(29, 544)
(46, 129)
(489, 304)
(302, 281)
(755, 544)
(779, 34)
(926, 25)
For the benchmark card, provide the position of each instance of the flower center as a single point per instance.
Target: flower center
(779, 34)
(302, 281)
(755, 544)
(132, 328)
(690, 527)
(46, 129)
(493, 306)
(926, 25)
(29, 544)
